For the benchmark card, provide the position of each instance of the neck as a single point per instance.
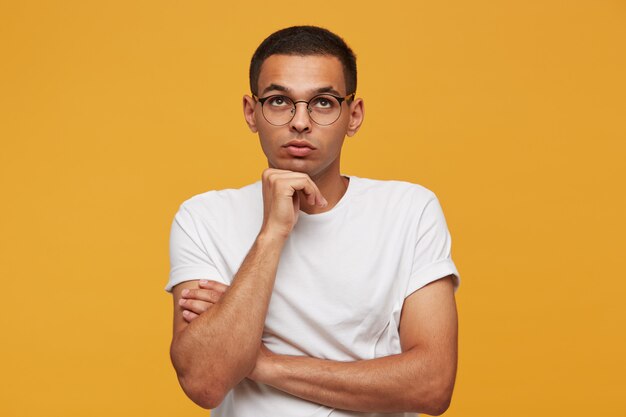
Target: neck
(332, 187)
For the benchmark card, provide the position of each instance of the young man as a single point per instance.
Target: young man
(311, 293)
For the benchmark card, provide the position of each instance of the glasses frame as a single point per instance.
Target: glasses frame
(339, 99)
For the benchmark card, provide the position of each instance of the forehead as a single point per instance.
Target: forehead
(302, 74)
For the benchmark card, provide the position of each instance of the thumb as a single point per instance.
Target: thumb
(296, 205)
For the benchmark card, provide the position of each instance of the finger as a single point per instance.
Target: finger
(195, 306)
(310, 199)
(296, 181)
(296, 203)
(306, 186)
(308, 190)
(202, 294)
(189, 316)
(213, 285)
(269, 171)
(314, 195)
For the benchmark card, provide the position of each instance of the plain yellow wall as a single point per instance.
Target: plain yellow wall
(114, 112)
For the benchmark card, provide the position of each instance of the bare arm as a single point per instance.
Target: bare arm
(219, 347)
(420, 379)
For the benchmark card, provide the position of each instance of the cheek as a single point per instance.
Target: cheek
(265, 145)
(268, 140)
(334, 145)
(336, 137)
(264, 131)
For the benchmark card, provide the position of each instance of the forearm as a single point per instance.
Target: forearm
(218, 349)
(399, 383)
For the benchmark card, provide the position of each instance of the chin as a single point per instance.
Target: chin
(295, 164)
(312, 167)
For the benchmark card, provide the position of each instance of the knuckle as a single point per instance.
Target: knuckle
(197, 307)
(212, 284)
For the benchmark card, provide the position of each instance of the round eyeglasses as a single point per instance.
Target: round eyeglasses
(324, 109)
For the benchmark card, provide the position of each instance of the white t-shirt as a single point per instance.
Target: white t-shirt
(341, 281)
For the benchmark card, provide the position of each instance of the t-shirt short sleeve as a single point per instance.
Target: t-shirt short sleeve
(189, 258)
(431, 259)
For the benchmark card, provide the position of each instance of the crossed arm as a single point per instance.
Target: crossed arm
(420, 379)
(218, 329)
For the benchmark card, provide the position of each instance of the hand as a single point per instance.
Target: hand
(282, 191)
(196, 301)
(263, 364)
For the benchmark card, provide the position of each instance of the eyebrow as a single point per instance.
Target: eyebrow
(276, 87)
(328, 90)
(321, 90)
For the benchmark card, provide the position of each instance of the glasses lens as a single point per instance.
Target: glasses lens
(324, 109)
(278, 110)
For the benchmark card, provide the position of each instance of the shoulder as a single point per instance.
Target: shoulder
(220, 203)
(394, 191)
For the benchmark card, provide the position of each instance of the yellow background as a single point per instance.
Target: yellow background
(114, 112)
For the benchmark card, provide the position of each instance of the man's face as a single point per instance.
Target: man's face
(302, 145)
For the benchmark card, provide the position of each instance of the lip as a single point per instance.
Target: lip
(299, 148)
(299, 144)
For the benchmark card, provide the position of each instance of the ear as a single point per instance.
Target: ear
(249, 106)
(357, 113)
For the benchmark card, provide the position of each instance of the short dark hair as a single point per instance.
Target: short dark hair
(303, 41)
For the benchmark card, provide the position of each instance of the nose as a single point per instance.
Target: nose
(301, 121)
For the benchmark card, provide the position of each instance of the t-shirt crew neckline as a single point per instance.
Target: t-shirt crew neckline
(343, 202)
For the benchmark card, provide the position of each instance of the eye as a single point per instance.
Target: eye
(278, 101)
(323, 102)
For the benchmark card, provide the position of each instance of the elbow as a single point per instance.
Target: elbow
(439, 406)
(202, 387)
(435, 401)
(203, 394)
